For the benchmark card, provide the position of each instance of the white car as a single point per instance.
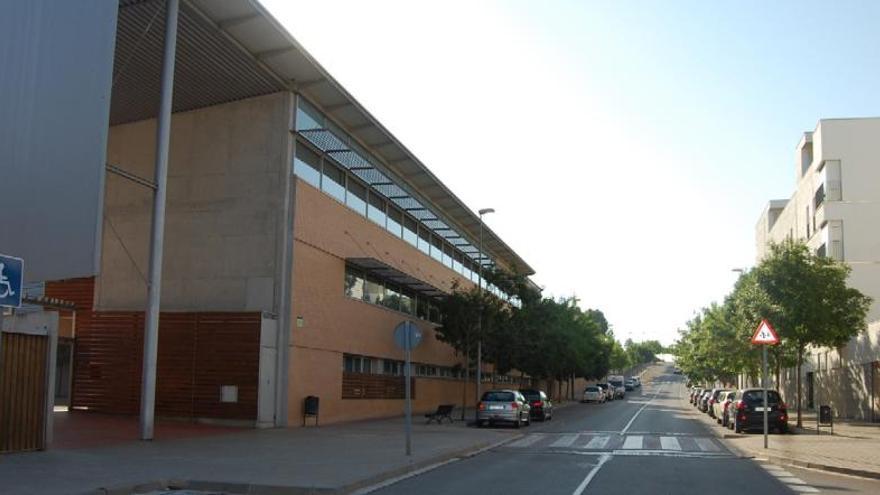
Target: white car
(593, 394)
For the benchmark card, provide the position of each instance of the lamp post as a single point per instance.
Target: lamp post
(482, 212)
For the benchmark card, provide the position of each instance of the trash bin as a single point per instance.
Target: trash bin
(825, 419)
(311, 406)
(825, 415)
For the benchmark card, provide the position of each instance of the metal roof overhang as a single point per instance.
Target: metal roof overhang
(388, 272)
(234, 49)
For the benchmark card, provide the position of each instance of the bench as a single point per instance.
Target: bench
(444, 411)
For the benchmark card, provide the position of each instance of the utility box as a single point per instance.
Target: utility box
(311, 406)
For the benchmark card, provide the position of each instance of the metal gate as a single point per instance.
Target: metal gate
(23, 387)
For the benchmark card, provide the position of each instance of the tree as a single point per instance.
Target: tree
(811, 303)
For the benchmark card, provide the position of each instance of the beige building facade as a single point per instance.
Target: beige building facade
(299, 232)
(835, 209)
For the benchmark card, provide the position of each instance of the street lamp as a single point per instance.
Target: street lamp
(484, 211)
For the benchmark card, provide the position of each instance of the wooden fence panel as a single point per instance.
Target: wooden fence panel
(198, 353)
(23, 392)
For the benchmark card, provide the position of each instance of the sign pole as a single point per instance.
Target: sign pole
(408, 377)
(764, 353)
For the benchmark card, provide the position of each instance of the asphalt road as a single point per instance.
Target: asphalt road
(642, 444)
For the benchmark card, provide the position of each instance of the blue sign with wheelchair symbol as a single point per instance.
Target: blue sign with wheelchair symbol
(11, 274)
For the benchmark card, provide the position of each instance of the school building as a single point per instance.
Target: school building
(299, 233)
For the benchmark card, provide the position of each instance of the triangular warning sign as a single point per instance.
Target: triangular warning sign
(765, 334)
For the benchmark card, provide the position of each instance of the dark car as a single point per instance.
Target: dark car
(629, 385)
(747, 411)
(542, 407)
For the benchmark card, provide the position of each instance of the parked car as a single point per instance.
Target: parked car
(629, 386)
(695, 392)
(726, 408)
(748, 411)
(637, 382)
(676, 370)
(503, 406)
(616, 381)
(594, 393)
(703, 401)
(607, 389)
(713, 398)
(541, 405)
(718, 404)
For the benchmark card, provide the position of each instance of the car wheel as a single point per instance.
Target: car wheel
(529, 420)
(783, 429)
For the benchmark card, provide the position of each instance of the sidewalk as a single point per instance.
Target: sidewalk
(852, 449)
(336, 458)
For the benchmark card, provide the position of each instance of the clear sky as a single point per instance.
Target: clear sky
(629, 146)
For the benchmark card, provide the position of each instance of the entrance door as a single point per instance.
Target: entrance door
(23, 394)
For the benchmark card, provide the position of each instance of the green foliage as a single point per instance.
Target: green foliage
(804, 296)
(544, 338)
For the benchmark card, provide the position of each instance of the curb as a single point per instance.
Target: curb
(784, 461)
(391, 477)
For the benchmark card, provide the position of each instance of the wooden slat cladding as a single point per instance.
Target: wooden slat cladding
(22, 392)
(198, 353)
(368, 386)
(79, 291)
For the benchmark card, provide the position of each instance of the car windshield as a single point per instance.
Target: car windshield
(531, 395)
(592, 389)
(756, 397)
(616, 383)
(498, 397)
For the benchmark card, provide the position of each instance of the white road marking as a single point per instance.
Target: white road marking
(597, 443)
(565, 441)
(803, 488)
(527, 440)
(633, 442)
(672, 453)
(706, 444)
(636, 415)
(669, 443)
(583, 486)
(791, 480)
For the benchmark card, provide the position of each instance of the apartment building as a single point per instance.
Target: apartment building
(299, 233)
(835, 209)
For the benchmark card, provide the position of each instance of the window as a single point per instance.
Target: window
(391, 367)
(356, 199)
(373, 291)
(395, 221)
(819, 197)
(447, 255)
(821, 252)
(424, 239)
(307, 117)
(422, 308)
(376, 209)
(436, 248)
(410, 229)
(407, 303)
(307, 165)
(456, 262)
(357, 364)
(392, 298)
(354, 284)
(333, 182)
(433, 313)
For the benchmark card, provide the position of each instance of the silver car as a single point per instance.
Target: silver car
(594, 394)
(503, 406)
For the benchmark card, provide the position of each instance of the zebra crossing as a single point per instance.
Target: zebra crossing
(620, 444)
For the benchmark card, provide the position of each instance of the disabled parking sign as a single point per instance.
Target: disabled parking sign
(11, 274)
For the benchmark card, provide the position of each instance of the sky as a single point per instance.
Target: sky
(627, 147)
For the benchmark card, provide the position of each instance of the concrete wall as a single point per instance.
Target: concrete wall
(326, 233)
(225, 178)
